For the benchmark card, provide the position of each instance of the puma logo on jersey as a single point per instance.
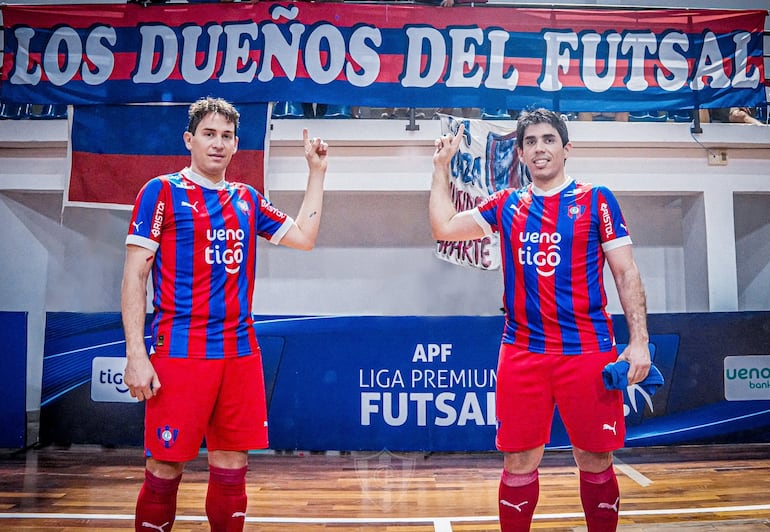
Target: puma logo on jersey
(238, 514)
(145, 524)
(136, 226)
(193, 206)
(511, 505)
(610, 427)
(608, 506)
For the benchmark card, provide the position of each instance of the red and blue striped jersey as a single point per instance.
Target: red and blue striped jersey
(205, 240)
(552, 247)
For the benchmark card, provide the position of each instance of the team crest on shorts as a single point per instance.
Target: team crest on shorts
(167, 436)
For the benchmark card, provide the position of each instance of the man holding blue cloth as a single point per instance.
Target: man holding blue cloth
(556, 236)
(615, 377)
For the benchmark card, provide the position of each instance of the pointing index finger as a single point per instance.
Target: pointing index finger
(458, 136)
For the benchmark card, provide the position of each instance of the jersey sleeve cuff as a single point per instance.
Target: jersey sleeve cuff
(617, 243)
(479, 219)
(142, 242)
(278, 235)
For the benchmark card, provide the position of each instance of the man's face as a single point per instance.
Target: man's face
(212, 146)
(543, 152)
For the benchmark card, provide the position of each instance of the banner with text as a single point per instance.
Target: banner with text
(409, 383)
(387, 55)
(486, 162)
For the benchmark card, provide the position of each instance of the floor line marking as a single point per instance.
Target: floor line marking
(632, 473)
(436, 521)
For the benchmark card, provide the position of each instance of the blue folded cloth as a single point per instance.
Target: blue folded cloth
(615, 377)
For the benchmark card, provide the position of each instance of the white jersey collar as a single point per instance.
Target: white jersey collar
(554, 191)
(202, 181)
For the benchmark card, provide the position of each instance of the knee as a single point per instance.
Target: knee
(167, 470)
(522, 462)
(592, 462)
(228, 459)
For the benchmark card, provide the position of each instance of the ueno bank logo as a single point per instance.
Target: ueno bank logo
(107, 384)
(226, 248)
(747, 378)
(545, 260)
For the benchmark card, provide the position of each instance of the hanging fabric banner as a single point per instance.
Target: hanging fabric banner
(116, 149)
(486, 162)
(384, 55)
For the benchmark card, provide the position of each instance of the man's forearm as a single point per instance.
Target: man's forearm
(309, 215)
(440, 206)
(133, 310)
(634, 303)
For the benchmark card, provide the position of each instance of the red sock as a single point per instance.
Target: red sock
(517, 498)
(156, 504)
(600, 496)
(226, 499)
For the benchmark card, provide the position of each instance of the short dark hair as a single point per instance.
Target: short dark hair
(199, 109)
(540, 116)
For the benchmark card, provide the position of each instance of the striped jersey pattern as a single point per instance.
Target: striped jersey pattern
(205, 240)
(553, 248)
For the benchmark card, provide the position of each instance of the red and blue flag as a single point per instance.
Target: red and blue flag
(116, 149)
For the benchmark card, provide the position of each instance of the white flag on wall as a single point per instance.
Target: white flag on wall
(486, 162)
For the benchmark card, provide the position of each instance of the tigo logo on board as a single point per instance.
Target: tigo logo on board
(107, 384)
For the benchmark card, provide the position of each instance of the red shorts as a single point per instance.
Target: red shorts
(529, 385)
(222, 400)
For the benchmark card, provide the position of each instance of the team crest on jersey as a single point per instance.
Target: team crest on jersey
(167, 436)
(243, 206)
(575, 211)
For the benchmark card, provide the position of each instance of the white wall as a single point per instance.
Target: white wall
(698, 249)
(679, 209)
(752, 245)
(24, 265)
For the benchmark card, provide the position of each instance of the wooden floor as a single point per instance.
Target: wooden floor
(694, 489)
